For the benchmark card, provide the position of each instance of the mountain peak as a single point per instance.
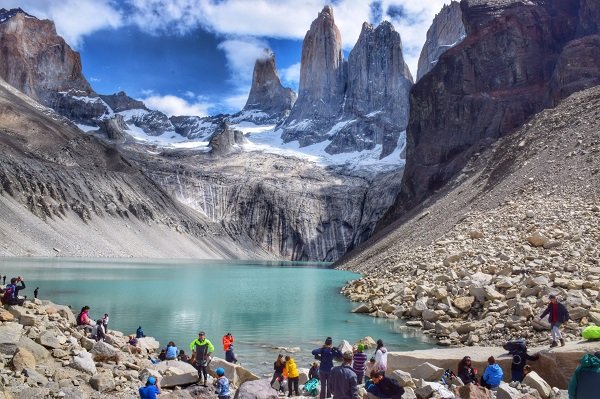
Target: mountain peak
(5, 14)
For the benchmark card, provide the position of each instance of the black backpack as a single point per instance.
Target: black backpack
(516, 346)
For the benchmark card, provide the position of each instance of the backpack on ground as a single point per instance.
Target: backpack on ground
(311, 387)
(591, 332)
(516, 346)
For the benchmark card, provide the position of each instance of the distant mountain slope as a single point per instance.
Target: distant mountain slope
(61, 189)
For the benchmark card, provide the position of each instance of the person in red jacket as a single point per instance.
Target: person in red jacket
(227, 341)
(558, 315)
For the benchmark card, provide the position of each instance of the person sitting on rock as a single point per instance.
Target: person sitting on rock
(171, 351)
(183, 357)
(162, 356)
(99, 332)
(139, 333)
(83, 319)
(369, 368)
(492, 376)
(313, 372)
(151, 389)
(558, 315)
(132, 345)
(221, 384)
(383, 387)
(466, 372)
(230, 355)
(584, 382)
(11, 292)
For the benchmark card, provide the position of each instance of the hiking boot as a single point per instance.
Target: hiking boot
(553, 344)
(562, 342)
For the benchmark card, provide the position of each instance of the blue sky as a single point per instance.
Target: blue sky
(195, 57)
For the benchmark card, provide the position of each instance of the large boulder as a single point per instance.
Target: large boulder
(236, 374)
(471, 391)
(258, 389)
(102, 349)
(83, 361)
(403, 378)
(52, 339)
(103, 382)
(428, 372)
(10, 334)
(533, 380)
(38, 351)
(176, 373)
(23, 359)
(148, 343)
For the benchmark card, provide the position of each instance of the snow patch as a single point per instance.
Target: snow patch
(87, 128)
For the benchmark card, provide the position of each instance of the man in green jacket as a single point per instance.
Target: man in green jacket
(586, 378)
(201, 349)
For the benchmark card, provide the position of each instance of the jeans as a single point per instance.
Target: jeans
(556, 331)
(323, 377)
(293, 383)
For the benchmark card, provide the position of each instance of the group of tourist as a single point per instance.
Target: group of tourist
(96, 328)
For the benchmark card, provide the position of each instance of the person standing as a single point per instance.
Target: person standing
(492, 376)
(105, 320)
(230, 355)
(359, 362)
(343, 380)
(222, 384)
(326, 354)
(584, 382)
(278, 368)
(36, 292)
(227, 341)
(151, 389)
(202, 349)
(558, 315)
(293, 376)
(384, 387)
(519, 362)
(380, 357)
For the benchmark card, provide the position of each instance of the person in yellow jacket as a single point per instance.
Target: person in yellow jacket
(293, 376)
(201, 348)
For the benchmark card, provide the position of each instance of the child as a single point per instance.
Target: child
(183, 357)
(369, 368)
(151, 389)
(221, 384)
(105, 322)
(314, 371)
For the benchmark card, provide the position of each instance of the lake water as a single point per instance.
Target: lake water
(266, 306)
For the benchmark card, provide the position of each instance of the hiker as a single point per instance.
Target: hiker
(313, 372)
(278, 368)
(183, 357)
(384, 387)
(221, 384)
(227, 341)
(369, 368)
(359, 360)
(492, 376)
(139, 333)
(326, 354)
(151, 389)
(99, 333)
(518, 350)
(83, 319)
(343, 380)
(584, 381)
(105, 320)
(558, 315)
(466, 372)
(4, 279)
(380, 357)
(11, 292)
(36, 292)
(230, 355)
(293, 376)
(132, 345)
(202, 348)
(171, 352)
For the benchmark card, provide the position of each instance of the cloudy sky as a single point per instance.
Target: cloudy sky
(195, 57)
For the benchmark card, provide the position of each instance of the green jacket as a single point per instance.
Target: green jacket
(203, 347)
(584, 382)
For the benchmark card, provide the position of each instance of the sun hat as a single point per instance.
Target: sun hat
(151, 380)
(360, 347)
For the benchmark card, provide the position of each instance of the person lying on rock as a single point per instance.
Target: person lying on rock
(466, 372)
(151, 389)
(384, 387)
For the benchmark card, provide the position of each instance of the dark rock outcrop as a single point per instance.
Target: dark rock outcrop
(268, 99)
(322, 81)
(446, 31)
(122, 102)
(114, 128)
(226, 140)
(488, 85)
(196, 127)
(153, 123)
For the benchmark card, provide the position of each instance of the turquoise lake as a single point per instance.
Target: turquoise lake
(265, 305)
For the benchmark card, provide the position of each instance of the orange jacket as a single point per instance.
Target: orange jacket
(227, 341)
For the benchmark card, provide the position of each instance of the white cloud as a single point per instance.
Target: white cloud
(290, 76)
(236, 101)
(242, 54)
(74, 19)
(173, 105)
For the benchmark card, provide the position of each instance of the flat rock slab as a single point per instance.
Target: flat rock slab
(10, 334)
(555, 366)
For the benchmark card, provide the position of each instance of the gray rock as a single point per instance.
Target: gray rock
(104, 349)
(51, 339)
(259, 389)
(10, 334)
(23, 359)
(103, 382)
(428, 372)
(226, 140)
(39, 352)
(83, 362)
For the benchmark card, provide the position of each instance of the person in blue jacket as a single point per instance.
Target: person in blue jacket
(326, 354)
(586, 378)
(221, 384)
(492, 376)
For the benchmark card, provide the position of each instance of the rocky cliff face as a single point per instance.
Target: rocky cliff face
(268, 100)
(122, 102)
(488, 85)
(322, 81)
(446, 31)
(226, 140)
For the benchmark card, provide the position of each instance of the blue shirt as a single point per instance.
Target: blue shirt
(148, 392)
(223, 386)
(493, 375)
(172, 352)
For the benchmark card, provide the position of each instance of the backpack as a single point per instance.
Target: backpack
(311, 387)
(516, 346)
(78, 319)
(9, 293)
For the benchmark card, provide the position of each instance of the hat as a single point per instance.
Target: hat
(151, 380)
(551, 296)
(220, 371)
(347, 355)
(201, 333)
(328, 341)
(360, 347)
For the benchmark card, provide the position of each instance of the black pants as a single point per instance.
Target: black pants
(324, 377)
(202, 372)
(293, 383)
(278, 376)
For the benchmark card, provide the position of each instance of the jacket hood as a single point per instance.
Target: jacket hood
(590, 361)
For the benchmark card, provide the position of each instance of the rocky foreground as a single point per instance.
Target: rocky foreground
(475, 265)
